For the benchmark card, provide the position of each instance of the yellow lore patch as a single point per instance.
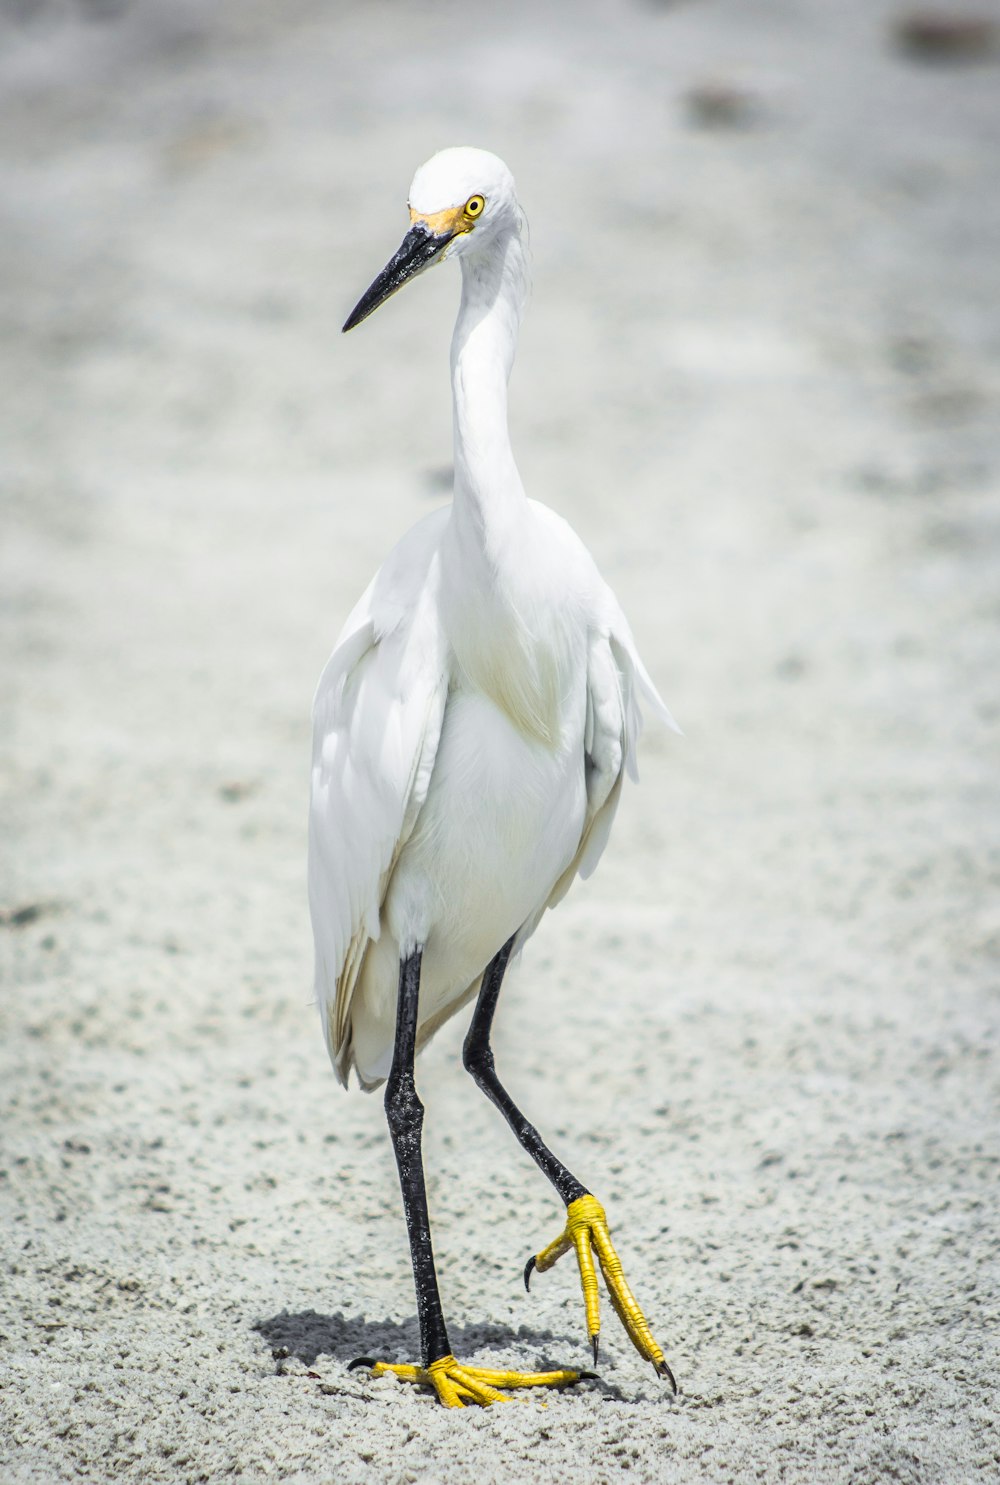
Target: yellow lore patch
(447, 223)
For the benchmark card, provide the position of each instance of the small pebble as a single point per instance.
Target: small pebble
(715, 104)
(941, 36)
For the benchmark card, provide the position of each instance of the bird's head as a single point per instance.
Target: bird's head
(459, 201)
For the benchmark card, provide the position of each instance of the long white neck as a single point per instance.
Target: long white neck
(489, 496)
(503, 646)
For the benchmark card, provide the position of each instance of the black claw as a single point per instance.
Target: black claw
(593, 1341)
(588, 1377)
(529, 1269)
(359, 1362)
(663, 1370)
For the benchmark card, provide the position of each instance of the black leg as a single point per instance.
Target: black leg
(585, 1215)
(405, 1114)
(477, 1054)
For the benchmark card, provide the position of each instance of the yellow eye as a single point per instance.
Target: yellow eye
(474, 206)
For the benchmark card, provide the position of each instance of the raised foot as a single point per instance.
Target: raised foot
(457, 1385)
(587, 1232)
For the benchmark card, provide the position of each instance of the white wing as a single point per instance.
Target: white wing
(376, 724)
(616, 680)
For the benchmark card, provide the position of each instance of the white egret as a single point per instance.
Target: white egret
(471, 733)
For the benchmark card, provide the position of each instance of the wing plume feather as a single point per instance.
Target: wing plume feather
(387, 680)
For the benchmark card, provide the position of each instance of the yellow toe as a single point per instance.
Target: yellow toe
(457, 1385)
(586, 1232)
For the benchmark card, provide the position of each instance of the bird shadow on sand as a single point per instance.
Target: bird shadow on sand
(308, 1335)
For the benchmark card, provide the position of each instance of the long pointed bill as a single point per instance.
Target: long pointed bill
(417, 251)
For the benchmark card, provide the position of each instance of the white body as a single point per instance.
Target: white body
(473, 723)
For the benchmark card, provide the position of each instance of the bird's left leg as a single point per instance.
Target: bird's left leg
(454, 1383)
(586, 1229)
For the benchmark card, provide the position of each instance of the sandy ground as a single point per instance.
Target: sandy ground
(761, 375)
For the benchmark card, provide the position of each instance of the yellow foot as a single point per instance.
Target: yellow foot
(587, 1228)
(457, 1385)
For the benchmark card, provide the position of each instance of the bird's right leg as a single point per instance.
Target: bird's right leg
(454, 1383)
(586, 1231)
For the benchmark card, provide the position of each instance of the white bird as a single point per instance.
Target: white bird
(471, 732)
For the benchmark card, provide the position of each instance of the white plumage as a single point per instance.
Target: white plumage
(473, 724)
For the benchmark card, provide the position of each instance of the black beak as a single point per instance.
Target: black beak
(417, 251)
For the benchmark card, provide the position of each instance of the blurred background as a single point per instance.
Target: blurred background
(760, 374)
